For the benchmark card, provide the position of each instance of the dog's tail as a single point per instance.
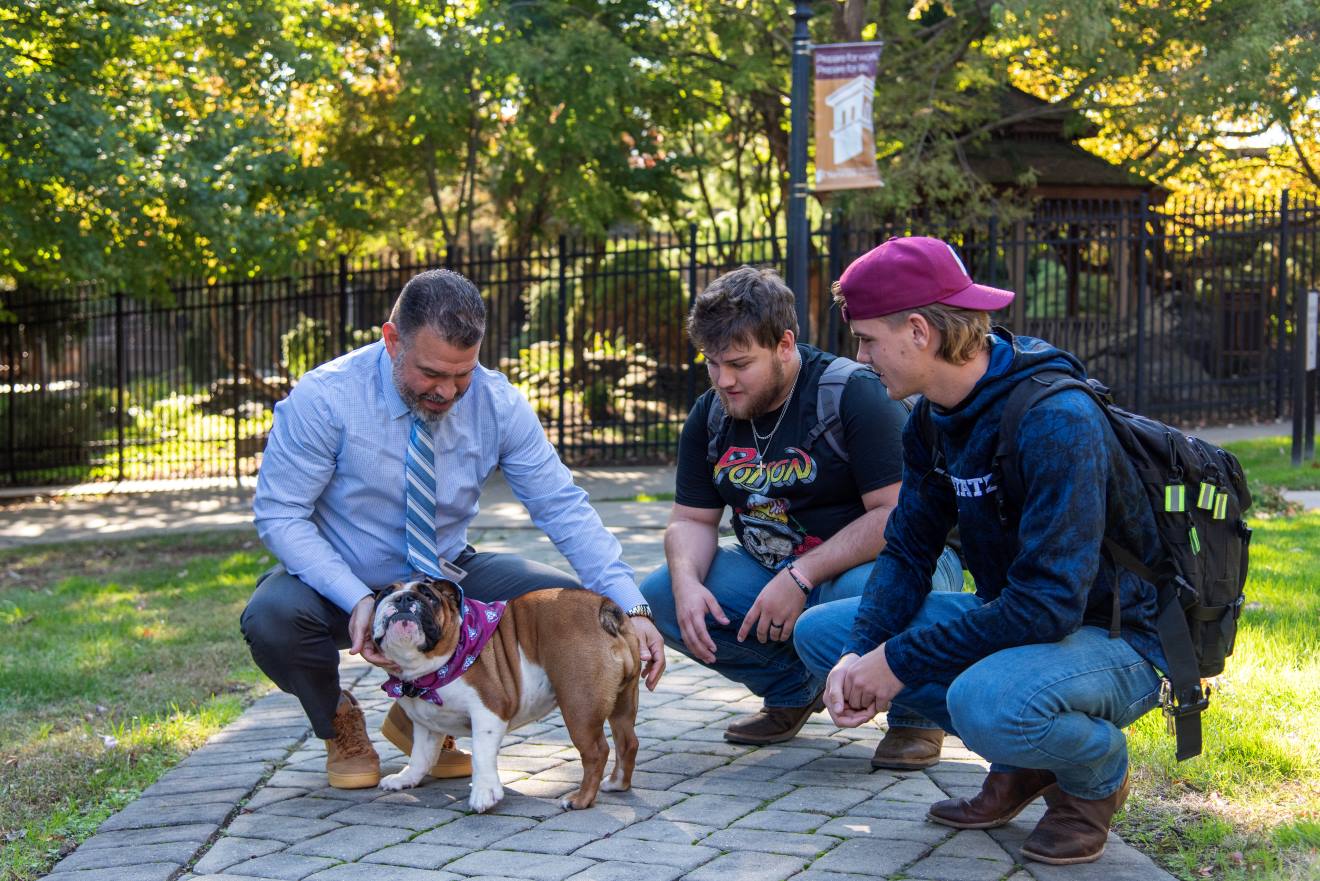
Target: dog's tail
(612, 618)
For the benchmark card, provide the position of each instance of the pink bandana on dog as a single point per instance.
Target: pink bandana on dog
(479, 623)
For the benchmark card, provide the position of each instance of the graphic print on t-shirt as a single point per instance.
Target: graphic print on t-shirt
(803, 493)
(762, 522)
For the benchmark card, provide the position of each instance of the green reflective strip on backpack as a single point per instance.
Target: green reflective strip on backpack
(1175, 498)
(1221, 506)
(1206, 499)
(1194, 540)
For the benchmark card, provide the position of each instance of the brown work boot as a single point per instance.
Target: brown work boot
(908, 749)
(350, 759)
(452, 762)
(1073, 830)
(771, 724)
(1002, 797)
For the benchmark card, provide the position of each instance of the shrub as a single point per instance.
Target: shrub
(304, 346)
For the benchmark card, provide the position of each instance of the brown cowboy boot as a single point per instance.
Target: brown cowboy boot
(350, 759)
(771, 724)
(1002, 797)
(908, 749)
(1073, 830)
(452, 762)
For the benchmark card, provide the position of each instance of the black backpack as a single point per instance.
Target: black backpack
(829, 424)
(1198, 494)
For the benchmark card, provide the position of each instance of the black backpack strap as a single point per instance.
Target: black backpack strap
(1186, 700)
(1007, 473)
(926, 430)
(829, 397)
(1025, 395)
(717, 427)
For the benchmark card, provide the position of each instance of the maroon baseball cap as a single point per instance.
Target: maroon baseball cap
(908, 273)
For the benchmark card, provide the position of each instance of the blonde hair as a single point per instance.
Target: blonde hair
(964, 333)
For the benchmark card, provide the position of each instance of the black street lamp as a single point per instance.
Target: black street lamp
(799, 98)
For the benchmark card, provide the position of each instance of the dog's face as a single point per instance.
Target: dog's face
(417, 621)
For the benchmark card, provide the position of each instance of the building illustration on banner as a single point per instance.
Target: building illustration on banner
(851, 104)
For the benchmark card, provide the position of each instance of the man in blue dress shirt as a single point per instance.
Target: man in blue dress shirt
(332, 504)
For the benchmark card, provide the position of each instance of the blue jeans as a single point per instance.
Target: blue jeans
(771, 670)
(1058, 706)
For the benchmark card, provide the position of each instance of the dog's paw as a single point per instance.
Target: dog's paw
(484, 797)
(576, 801)
(611, 785)
(398, 781)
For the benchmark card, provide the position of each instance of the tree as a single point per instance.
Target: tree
(146, 140)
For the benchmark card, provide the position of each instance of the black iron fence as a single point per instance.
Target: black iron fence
(1187, 311)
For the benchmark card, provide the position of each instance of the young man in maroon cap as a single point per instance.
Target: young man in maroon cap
(1024, 670)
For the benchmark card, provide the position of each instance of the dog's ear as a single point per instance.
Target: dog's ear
(440, 591)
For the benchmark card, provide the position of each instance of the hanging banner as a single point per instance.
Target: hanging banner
(845, 128)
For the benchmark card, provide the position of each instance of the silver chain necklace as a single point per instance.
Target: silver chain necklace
(757, 437)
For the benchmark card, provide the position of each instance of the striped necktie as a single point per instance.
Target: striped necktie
(419, 520)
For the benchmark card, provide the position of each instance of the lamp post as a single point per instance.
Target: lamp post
(797, 164)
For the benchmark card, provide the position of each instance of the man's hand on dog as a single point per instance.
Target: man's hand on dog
(359, 634)
(652, 647)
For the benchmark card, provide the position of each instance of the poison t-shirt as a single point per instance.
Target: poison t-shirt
(797, 497)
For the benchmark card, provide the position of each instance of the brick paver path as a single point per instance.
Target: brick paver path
(253, 804)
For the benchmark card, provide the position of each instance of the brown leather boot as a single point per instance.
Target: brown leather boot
(452, 762)
(1073, 830)
(908, 749)
(350, 759)
(1002, 797)
(771, 724)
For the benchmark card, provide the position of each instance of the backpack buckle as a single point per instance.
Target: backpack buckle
(1188, 596)
(1192, 700)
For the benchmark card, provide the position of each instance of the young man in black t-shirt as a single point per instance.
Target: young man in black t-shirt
(809, 508)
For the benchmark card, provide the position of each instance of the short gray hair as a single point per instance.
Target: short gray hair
(444, 301)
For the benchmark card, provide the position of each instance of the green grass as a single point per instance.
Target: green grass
(1268, 462)
(116, 660)
(1249, 806)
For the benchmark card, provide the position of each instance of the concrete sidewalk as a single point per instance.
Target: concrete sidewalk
(253, 803)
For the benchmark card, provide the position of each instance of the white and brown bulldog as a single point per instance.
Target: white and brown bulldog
(573, 648)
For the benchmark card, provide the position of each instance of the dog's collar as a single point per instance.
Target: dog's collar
(479, 623)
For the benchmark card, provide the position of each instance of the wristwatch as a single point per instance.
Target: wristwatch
(641, 610)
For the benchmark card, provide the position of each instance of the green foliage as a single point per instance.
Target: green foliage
(304, 346)
(231, 137)
(606, 294)
(60, 423)
(142, 143)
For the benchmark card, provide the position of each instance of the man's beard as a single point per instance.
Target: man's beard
(762, 402)
(414, 401)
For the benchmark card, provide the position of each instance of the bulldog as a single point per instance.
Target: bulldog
(485, 669)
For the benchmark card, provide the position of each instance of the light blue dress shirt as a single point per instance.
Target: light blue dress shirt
(331, 492)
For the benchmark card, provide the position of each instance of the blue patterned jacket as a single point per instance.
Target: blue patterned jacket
(1043, 576)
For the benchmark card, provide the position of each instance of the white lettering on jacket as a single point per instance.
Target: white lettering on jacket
(972, 487)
